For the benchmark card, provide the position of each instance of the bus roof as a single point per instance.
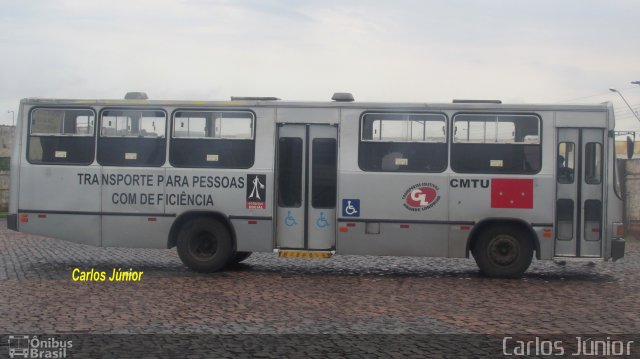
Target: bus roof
(320, 104)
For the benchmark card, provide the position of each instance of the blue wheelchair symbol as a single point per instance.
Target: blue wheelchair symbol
(322, 221)
(290, 221)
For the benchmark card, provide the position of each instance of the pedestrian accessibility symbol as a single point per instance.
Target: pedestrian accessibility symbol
(256, 191)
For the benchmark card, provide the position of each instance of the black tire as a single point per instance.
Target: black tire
(204, 245)
(241, 256)
(503, 251)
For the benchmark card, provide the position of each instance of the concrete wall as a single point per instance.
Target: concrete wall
(6, 146)
(621, 149)
(631, 179)
(4, 191)
(7, 133)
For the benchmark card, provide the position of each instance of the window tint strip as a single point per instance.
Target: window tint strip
(290, 172)
(212, 139)
(132, 138)
(593, 163)
(566, 162)
(232, 125)
(403, 142)
(324, 173)
(564, 219)
(496, 143)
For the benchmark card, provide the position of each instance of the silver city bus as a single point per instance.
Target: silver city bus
(219, 180)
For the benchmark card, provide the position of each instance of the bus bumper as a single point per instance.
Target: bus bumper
(12, 222)
(617, 248)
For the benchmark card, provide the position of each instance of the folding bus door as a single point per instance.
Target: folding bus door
(579, 177)
(306, 186)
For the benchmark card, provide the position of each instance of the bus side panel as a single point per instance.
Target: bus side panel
(476, 198)
(135, 231)
(250, 235)
(78, 228)
(529, 198)
(49, 188)
(393, 239)
(397, 225)
(53, 199)
(546, 243)
(230, 189)
(458, 236)
(132, 212)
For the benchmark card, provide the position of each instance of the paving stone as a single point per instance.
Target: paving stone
(347, 295)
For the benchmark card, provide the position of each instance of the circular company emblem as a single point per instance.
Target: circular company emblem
(421, 196)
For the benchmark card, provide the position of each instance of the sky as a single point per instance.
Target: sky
(518, 51)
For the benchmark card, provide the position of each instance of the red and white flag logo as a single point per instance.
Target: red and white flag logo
(511, 193)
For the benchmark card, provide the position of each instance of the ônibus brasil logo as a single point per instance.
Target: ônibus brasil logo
(421, 197)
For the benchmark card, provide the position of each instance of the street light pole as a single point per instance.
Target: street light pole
(625, 101)
(13, 117)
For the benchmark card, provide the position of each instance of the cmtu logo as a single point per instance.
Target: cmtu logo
(421, 196)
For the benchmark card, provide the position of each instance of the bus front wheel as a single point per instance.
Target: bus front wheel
(503, 251)
(204, 245)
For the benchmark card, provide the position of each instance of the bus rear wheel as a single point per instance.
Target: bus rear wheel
(204, 245)
(503, 251)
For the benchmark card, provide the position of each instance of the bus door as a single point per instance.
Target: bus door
(579, 177)
(306, 172)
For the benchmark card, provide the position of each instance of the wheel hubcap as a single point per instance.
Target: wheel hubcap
(503, 249)
(203, 245)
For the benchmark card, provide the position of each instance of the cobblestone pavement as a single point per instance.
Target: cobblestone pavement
(342, 295)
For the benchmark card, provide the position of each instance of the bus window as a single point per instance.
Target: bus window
(593, 163)
(566, 162)
(215, 139)
(403, 142)
(489, 143)
(132, 138)
(564, 219)
(324, 162)
(592, 219)
(290, 172)
(61, 136)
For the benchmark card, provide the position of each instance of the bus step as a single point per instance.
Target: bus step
(297, 253)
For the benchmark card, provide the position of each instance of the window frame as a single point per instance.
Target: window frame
(566, 162)
(171, 135)
(166, 119)
(446, 141)
(100, 137)
(597, 155)
(315, 177)
(62, 108)
(497, 115)
(362, 118)
(299, 174)
(540, 143)
(253, 124)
